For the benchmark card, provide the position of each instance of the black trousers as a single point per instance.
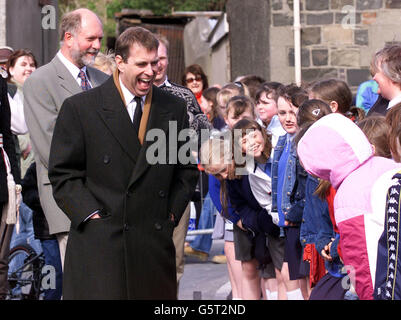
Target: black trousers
(6, 232)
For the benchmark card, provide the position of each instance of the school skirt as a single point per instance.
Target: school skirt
(329, 288)
(293, 254)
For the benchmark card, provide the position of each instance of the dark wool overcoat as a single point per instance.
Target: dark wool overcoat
(97, 163)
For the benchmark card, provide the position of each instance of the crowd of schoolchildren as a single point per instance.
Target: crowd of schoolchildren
(306, 186)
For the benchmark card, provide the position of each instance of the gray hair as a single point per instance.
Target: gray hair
(70, 22)
(388, 59)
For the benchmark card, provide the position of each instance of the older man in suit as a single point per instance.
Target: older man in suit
(46, 89)
(123, 205)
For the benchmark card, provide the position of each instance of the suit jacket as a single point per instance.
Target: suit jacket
(98, 163)
(379, 108)
(8, 143)
(44, 92)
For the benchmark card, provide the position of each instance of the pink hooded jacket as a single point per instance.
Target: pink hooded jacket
(336, 150)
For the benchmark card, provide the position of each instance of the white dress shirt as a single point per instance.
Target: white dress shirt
(72, 68)
(394, 101)
(129, 100)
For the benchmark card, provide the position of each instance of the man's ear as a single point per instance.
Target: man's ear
(120, 63)
(334, 106)
(68, 38)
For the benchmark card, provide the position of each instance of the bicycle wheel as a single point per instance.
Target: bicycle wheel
(23, 271)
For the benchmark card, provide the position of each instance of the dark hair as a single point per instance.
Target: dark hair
(12, 59)
(195, 69)
(377, 130)
(294, 94)
(312, 110)
(252, 83)
(395, 142)
(393, 116)
(308, 113)
(239, 104)
(355, 114)
(210, 94)
(333, 90)
(249, 124)
(138, 35)
(268, 88)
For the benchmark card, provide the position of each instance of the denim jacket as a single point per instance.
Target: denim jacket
(293, 199)
(313, 213)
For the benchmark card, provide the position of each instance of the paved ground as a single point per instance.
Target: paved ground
(205, 280)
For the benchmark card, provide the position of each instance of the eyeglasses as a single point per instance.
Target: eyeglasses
(190, 80)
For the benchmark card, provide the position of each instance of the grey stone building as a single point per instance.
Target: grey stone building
(338, 37)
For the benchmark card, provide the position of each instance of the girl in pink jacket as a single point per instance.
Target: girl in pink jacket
(335, 149)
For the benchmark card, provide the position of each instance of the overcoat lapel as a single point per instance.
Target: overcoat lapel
(159, 118)
(116, 117)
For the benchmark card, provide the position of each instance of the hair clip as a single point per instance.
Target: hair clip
(239, 84)
(316, 112)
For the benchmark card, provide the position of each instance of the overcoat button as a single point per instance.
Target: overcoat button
(106, 159)
(158, 226)
(161, 194)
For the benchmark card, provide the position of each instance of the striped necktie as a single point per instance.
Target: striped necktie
(84, 81)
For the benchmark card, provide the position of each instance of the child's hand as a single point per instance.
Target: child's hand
(326, 251)
(239, 225)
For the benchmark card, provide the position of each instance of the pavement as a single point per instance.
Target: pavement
(205, 280)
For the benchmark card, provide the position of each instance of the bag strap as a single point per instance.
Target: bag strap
(6, 160)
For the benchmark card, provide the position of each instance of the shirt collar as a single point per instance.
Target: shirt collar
(128, 96)
(394, 101)
(165, 83)
(72, 68)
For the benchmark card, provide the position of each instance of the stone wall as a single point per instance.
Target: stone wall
(338, 37)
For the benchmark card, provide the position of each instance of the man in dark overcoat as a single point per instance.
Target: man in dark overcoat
(122, 205)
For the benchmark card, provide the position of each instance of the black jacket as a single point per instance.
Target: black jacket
(97, 163)
(30, 195)
(8, 144)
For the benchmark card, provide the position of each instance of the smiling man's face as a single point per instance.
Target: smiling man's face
(138, 73)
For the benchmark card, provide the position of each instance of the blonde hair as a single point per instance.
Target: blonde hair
(105, 63)
(215, 151)
(228, 91)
